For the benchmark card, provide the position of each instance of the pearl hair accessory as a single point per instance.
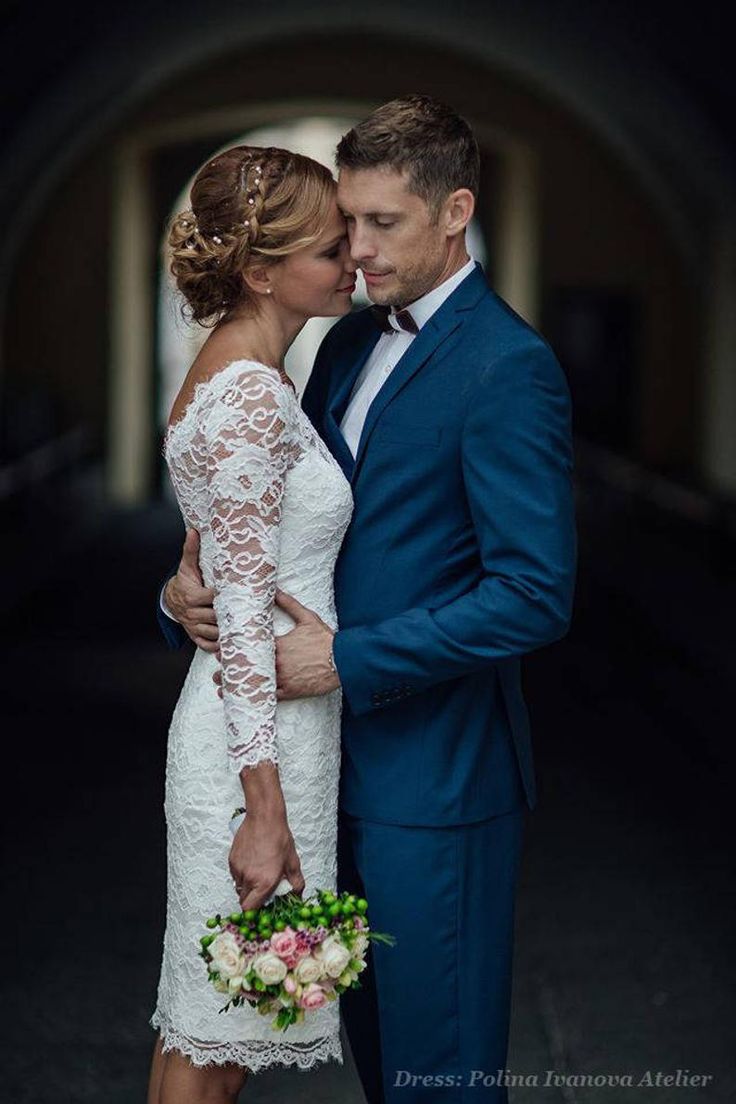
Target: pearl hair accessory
(250, 193)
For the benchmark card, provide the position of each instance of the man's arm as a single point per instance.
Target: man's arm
(185, 605)
(173, 633)
(517, 465)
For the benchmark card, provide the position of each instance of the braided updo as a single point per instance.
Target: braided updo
(247, 204)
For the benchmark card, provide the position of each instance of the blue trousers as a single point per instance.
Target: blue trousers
(432, 1017)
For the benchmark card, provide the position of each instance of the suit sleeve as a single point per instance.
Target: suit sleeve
(516, 455)
(173, 633)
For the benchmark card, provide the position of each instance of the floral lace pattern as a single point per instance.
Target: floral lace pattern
(271, 506)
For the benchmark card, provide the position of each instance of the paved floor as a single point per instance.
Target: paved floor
(625, 953)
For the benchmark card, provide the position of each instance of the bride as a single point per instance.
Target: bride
(262, 249)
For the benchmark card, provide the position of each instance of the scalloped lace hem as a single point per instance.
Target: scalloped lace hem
(255, 1054)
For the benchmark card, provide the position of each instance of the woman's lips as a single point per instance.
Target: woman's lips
(350, 288)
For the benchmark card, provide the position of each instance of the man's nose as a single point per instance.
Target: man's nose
(361, 246)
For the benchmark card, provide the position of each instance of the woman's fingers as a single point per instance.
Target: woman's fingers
(293, 871)
(251, 898)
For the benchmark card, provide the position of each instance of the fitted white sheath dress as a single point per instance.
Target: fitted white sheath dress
(272, 506)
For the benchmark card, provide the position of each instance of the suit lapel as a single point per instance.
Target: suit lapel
(345, 372)
(433, 335)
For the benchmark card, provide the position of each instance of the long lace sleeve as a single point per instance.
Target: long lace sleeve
(250, 446)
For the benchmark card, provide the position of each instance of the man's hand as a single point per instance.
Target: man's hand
(303, 656)
(190, 601)
(303, 667)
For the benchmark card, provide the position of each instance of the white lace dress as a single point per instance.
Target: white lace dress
(272, 506)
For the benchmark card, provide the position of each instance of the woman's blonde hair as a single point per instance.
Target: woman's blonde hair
(248, 204)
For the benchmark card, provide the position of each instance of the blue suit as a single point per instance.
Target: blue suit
(460, 558)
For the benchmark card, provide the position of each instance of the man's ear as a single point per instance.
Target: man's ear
(458, 211)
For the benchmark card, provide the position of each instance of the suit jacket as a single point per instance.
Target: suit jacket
(460, 557)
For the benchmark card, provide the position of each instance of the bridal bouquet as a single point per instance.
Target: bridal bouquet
(291, 956)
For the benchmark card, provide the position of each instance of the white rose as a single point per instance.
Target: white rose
(269, 968)
(234, 985)
(227, 957)
(360, 946)
(308, 970)
(335, 956)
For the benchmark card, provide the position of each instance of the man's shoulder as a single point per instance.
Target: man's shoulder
(500, 344)
(502, 329)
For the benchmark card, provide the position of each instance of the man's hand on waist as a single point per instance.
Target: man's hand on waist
(189, 601)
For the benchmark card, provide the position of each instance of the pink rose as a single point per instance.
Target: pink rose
(283, 943)
(312, 997)
(290, 984)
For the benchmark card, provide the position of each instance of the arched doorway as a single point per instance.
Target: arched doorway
(565, 206)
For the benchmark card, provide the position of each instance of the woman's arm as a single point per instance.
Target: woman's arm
(250, 447)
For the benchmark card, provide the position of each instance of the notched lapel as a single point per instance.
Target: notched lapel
(345, 373)
(428, 341)
(424, 345)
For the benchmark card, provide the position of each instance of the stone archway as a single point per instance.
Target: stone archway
(484, 63)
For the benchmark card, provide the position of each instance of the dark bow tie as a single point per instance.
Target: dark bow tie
(402, 319)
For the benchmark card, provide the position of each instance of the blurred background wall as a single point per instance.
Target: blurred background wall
(607, 203)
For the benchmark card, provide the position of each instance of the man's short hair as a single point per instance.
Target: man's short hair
(419, 135)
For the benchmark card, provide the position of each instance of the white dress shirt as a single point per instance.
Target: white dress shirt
(387, 353)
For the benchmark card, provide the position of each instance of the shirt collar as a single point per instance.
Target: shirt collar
(422, 309)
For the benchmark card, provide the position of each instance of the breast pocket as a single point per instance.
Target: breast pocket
(409, 435)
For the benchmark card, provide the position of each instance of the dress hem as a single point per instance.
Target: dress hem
(254, 1054)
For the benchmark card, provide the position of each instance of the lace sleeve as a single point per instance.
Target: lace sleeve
(250, 446)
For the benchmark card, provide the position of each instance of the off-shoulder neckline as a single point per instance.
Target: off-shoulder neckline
(205, 384)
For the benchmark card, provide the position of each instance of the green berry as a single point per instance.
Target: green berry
(211, 922)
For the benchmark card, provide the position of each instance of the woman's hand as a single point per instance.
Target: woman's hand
(263, 852)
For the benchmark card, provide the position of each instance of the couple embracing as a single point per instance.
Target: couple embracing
(362, 574)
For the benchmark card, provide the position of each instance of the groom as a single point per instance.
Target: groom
(450, 417)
